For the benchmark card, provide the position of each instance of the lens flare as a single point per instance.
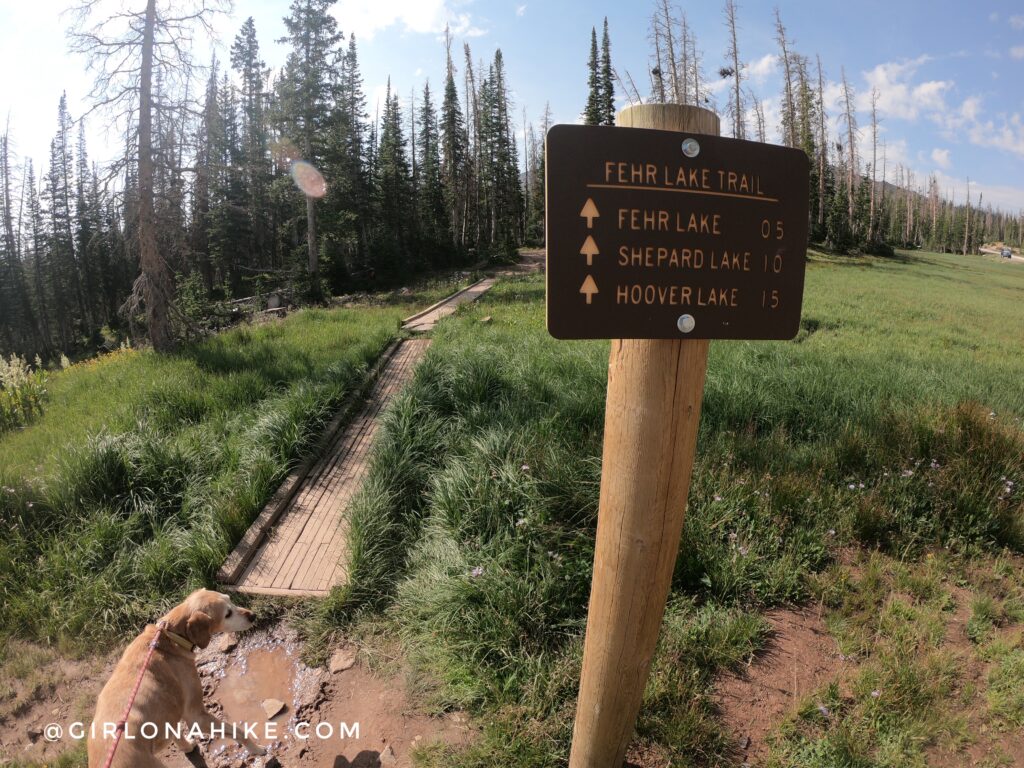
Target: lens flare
(308, 179)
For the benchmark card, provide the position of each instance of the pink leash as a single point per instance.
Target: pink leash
(131, 699)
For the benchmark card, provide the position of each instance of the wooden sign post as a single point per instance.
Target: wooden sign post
(661, 249)
(652, 414)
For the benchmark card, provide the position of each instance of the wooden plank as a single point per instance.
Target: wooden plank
(442, 302)
(253, 537)
(322, 523)
(301, 554)
(325, 541)
(427, 320)
(250, 590)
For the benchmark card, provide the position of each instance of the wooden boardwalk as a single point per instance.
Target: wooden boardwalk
(427, 319)
(296, 546)
(296, 549)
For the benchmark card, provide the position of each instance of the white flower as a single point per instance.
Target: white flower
(477, 572)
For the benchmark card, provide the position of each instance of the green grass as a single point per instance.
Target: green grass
(145, 469)
(892, 422)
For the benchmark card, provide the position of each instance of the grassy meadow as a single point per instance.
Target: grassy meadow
(144, 470)
(873, 467)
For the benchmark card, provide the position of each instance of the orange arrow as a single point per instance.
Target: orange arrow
(589, 250)
(590, 213)
(589, 288)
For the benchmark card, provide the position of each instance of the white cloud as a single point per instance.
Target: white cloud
(1006, 134)
(1017, 52)
(898, 95)
(419, 16)
(971, 107)
(521, 10)
(1017, 22)
(833, 96)
(762, 68)
(999, 131)
(941, 157)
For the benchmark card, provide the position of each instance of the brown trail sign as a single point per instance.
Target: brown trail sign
(672, 226)
(659, 240)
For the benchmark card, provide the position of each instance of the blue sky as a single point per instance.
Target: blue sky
(949, 75)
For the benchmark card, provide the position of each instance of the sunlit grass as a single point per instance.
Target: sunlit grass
(145, 469)
(893, 421)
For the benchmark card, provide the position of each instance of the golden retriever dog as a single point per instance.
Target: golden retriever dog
(170, 693)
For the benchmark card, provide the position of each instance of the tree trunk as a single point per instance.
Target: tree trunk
(967, 226)
(822, 147)
(154, 284)
(874, 162)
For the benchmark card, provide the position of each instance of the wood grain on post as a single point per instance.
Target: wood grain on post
(650, 436)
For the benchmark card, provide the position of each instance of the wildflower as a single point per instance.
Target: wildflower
(906, 473)
(717, 497)
(861, 485)
(732, 536)
(744, 551)
(824, 710)
(875, 694)
(520, 522)
(831, 531)
(852, 486)
(477, 572)
(525, 467)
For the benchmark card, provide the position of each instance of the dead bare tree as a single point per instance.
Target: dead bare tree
(670, 52)
(759, 115)
(736, 107)
(788, 101)
(851, 144)
(675, 71)
(684, 60)
(658, 70)
(822, 145)
(967, 225)
(124, 49)
(874, 162)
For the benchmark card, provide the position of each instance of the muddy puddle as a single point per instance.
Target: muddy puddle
(347, 719)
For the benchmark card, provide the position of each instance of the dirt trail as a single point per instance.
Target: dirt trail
(350, 717)
(800, 657)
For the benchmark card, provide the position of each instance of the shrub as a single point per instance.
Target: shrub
(22, 391)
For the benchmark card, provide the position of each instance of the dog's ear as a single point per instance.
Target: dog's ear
(198, 628)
